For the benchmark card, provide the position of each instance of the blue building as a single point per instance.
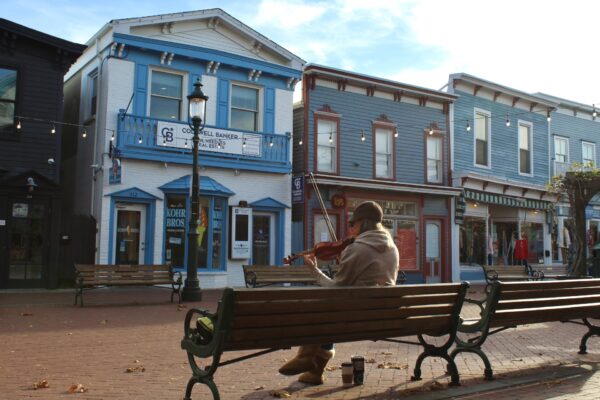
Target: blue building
(501, 147)
(359, 137)
(574, 133)
(132, 167)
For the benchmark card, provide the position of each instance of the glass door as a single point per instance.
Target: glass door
(28, 234)
(433, 259)
(130, 234)
(263, 247)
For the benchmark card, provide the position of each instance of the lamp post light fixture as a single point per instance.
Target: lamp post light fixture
(197, 107)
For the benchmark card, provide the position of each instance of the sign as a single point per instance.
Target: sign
(172, 134)
(460, 206)
(241, 233)
(114, 176)
(298, 189)
(175, 220)
(20, 210)
(338, 201)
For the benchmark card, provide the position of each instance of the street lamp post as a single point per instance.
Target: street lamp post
(197, 108)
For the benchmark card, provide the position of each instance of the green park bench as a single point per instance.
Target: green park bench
(273, 319)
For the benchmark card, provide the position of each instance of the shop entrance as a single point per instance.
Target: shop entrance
(433, 251)
(130, 243)
(28, 244)
(263, 247)
(504, 236)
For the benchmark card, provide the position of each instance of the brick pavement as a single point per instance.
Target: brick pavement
(43, 336)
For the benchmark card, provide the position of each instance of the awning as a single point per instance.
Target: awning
(498, 199)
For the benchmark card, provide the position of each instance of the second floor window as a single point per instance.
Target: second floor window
(244, 108)
(434, 159)
(525, 149)
(588, 154)
(384, 153)
(560, 150)
(482, 139)
(166, 95)
(8, 98)
(327, 139)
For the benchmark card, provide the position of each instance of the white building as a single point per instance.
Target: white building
(132, 171)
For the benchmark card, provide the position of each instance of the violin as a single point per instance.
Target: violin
(325, 251)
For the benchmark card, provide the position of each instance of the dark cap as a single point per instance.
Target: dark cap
(367, 210)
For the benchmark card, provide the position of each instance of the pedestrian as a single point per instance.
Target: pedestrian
(371, 260)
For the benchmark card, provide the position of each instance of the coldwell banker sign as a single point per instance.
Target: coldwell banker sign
(170, 134)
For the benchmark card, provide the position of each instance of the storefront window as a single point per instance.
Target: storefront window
(472, 241)
(401, 220)
(217, 230)
(534, 233)
(320, 230)
(175, 228)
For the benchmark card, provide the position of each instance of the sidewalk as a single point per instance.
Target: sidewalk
(43, 336)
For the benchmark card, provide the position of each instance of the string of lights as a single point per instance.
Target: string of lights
(467, 121)
(51, 124)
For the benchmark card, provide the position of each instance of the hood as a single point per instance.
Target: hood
(379, 240)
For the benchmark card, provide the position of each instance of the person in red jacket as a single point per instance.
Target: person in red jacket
(521, 250)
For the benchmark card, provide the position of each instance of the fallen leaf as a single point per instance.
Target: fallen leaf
(41, 385)
(77, 388)
(26, 314)
(554, 383)
(332, 367)
(181, 307)
(389, 365)
(69, 333)
(139, 368)
(104, 322)
(370, 361)
(517, 359)
(137, 361)
(386, 353)
(259, 388)
(280, 394)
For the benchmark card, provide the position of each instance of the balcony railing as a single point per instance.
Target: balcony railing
(168, 140)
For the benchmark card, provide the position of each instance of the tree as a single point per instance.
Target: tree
(579, 184)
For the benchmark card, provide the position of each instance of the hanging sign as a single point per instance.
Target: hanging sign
(298, 189)
(338, 201)
(171, 134)
(114, 177)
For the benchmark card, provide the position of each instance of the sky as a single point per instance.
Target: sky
(529, 45)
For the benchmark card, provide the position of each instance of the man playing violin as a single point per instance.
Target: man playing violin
(371, 260)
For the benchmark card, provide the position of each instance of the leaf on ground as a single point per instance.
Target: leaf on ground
(280, 394)
(554, 382)
(26, 314)
(386, 353)
(389, 365)
(517, 359)
(370, 361)
(77, 388)
(104, 322)
(259, 388)
(41, 385)
(139, 368)
(332, 367)
(181, 307)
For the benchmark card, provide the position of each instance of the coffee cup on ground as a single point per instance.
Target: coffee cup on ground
(358, 368)
(347, 374)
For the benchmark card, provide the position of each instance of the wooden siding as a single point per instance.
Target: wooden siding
(358, 112)
(575, 130)
(504, 140)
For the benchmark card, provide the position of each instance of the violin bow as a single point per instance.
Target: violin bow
(322, 204)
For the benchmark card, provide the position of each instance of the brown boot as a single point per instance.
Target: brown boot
(315, 375)
(304, 360)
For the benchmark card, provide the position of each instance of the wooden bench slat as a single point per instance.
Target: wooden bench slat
(546, 302)
(567, 283)
(548, 314)
(341, 331)
(549, 292)
(286, 319)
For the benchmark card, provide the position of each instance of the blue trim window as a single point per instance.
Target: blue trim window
(244, 108)
(166, 96)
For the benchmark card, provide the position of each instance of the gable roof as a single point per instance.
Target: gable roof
(38, 36)
(214, 17)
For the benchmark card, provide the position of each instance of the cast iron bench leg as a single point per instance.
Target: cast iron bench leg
(489, 373)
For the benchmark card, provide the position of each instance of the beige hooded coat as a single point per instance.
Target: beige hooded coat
(371, 260)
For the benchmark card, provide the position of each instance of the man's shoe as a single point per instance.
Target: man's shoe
(304, 360)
